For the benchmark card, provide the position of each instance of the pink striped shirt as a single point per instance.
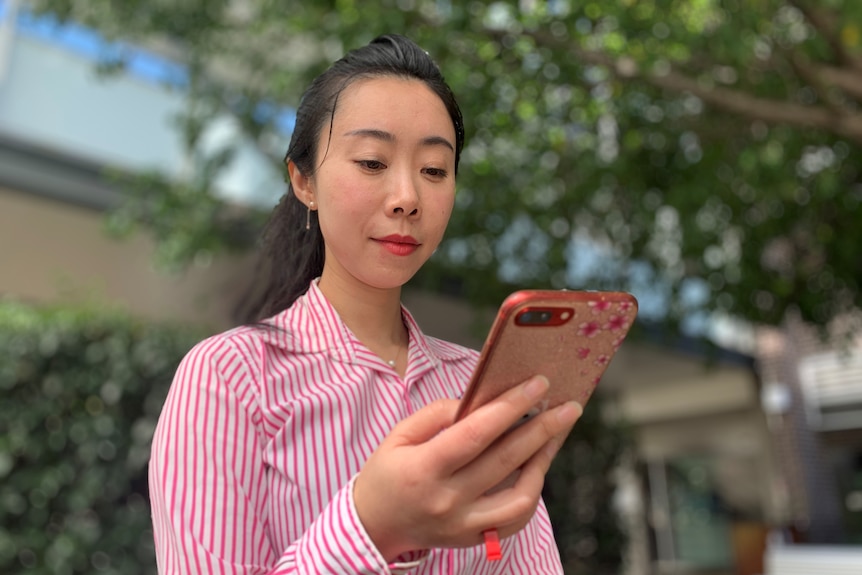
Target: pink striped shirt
(262, 433)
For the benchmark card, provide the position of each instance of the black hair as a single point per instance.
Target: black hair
(293, 256)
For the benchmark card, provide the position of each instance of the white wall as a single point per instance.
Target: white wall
(51, 96)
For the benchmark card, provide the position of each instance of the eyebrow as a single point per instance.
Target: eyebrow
(389, 137)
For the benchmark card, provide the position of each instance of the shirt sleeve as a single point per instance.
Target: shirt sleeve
(533, 549)
(208, 485)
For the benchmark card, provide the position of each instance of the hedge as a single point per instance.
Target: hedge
(81, 392)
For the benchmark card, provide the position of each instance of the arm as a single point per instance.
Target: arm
(208, 483)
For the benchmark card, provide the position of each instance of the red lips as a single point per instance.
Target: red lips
(398, 239)
(398, 244)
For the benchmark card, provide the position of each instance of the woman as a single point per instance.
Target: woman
(322, 441)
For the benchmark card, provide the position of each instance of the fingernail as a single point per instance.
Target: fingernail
(569, 412)
(536, 387)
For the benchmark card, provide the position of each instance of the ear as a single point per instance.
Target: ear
(303, 187)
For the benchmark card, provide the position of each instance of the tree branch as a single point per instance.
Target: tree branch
(844, 121)
(850, 81)
(824, 23)
(847, 124)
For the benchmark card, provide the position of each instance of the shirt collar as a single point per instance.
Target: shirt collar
(311, 325)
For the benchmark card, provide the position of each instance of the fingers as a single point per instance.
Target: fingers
(524, 444)
(508, 510)
(466, 439)
(425, 423)
(425, 485)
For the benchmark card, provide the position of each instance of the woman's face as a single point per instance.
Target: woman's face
(385, 183)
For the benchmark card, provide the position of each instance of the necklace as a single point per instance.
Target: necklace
(391, 362)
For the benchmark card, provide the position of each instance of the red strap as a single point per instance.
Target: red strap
(492, 545)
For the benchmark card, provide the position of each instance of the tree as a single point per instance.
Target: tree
(696, 152)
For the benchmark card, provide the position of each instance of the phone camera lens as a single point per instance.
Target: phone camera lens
(535, 317)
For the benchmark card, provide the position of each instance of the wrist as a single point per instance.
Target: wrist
(390, 541)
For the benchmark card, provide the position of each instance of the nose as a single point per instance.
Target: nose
(403, 197)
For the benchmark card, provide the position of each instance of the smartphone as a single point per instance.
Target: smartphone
(568, 336)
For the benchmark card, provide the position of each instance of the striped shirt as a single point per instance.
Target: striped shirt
(263, 432)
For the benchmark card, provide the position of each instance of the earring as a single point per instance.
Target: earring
(308, 216)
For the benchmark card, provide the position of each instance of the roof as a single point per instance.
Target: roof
(46, 172)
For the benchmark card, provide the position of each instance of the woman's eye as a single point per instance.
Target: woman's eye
(372, 165)
(436, 172)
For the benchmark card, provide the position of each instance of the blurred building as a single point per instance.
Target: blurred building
(61, 126)
(728, 446)
(813, 400)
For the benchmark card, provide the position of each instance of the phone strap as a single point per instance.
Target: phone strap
(492, 545)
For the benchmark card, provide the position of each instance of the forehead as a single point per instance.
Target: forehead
(392, 104)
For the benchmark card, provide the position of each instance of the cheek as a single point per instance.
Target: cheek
(342, 198)
(445, 206)
(445, 215)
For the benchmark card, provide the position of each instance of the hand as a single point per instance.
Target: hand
(427, 484)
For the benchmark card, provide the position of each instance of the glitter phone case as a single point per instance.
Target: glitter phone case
(567, 336)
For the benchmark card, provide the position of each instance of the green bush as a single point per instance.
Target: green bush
(81, 392)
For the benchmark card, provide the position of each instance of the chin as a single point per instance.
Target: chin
(390, 280)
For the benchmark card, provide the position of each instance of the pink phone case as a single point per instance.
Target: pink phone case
(567, 336)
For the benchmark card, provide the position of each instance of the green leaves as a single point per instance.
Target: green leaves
(81, 393)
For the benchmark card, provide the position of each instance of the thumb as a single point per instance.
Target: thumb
(425, 423)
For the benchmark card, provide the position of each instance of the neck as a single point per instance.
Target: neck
(372, 314)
